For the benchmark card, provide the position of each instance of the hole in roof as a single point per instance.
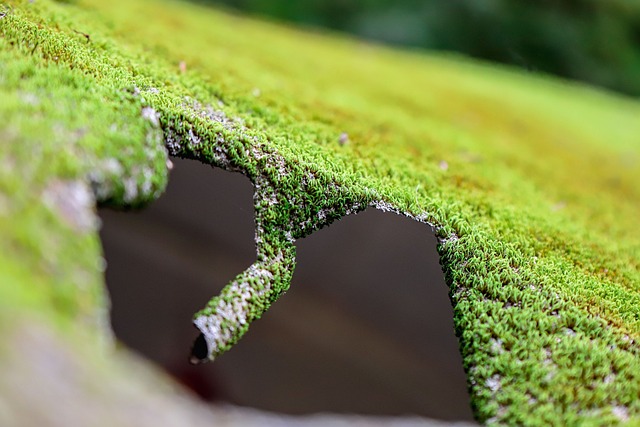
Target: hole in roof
(365, 328)
(166, 261)
(372, 307)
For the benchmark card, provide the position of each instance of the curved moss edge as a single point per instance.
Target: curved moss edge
(79, 116)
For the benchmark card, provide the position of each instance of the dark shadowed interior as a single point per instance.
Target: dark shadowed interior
(365, 328)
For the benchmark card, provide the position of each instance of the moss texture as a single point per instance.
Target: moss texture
(530, 183)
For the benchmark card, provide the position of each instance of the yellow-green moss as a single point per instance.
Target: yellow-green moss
(530, 182)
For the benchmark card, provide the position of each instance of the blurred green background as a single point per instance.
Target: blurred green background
(595, 41)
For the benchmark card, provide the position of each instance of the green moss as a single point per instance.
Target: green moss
(530, 182)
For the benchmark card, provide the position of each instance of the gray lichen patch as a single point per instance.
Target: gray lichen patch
(151, 115)
(620, 412)
(493, 383)
(73, 202)
(110, 179)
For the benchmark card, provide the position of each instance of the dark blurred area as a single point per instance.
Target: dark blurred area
(366, 328)
(594, 41)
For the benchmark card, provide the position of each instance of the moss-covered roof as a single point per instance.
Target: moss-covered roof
(530, 183)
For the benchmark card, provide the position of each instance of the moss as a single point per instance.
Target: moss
(529, 182)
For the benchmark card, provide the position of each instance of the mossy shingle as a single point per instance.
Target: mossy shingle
(530, 183)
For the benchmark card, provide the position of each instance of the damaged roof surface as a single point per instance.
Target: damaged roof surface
(530, 183)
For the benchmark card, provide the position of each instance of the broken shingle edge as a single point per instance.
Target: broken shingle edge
(228, 316)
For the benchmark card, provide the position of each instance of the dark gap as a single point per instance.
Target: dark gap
(165, 262)
(199, 351)
(365, 328)
(374, 307)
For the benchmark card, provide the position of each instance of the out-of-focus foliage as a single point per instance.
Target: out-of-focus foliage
(596, 41)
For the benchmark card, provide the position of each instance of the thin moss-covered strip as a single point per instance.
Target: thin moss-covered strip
(530, 183)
